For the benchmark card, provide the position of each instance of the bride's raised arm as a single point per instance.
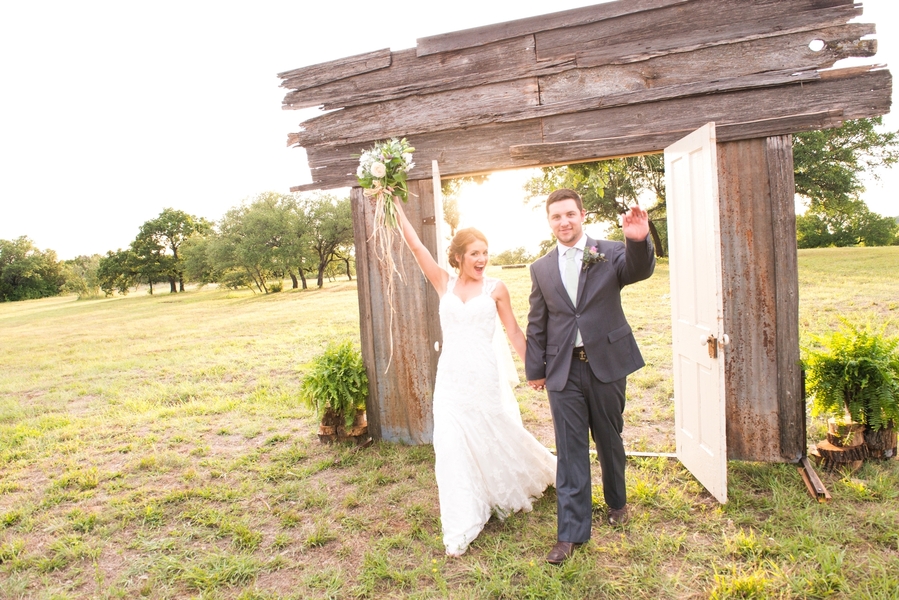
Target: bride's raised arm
(432, 271)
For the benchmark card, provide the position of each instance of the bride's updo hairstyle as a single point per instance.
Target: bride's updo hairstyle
(460, 242)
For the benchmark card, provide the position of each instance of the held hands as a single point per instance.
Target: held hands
(635, 224)
(537, 384)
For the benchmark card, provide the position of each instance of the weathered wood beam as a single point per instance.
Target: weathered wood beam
(727, 61)
(409, 116)
(856, 94)
(480, 36)
(505, 103)
(399, 404)
(409, 75)
(561, 153)
(791, 404)
(837, 95)
(323, 73)
(335, 166)
(749, 299)
(688, 27)
(744, 65)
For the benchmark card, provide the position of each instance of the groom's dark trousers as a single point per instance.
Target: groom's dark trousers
(586, 397)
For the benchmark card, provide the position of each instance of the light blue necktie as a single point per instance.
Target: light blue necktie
(571, 276)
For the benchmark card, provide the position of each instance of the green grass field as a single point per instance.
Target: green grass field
(154, 447)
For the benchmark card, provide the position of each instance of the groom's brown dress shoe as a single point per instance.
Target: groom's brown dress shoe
(618, 517)
(561, 552)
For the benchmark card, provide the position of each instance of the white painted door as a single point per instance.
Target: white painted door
(691, 182)
(442, 258)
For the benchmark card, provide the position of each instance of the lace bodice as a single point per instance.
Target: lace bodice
(471, 322)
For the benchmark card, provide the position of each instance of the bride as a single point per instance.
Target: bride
(486, 461)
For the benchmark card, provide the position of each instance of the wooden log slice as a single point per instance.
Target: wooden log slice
(832, 453)
(845, 435)
(353, 432)
(881, 444)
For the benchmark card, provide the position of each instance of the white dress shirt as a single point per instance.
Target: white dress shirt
(578, 255)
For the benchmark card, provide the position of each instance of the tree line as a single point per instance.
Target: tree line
(828, 167)
(256, 245)
(275, 236)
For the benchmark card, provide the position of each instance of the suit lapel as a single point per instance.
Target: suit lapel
(555, 277)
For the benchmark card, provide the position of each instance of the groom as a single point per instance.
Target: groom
(580, 349)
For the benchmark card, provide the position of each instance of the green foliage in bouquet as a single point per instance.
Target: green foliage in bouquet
(856, 374)
(336, 380)
(383, 171)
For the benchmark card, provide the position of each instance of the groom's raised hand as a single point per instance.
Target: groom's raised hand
(635, 224)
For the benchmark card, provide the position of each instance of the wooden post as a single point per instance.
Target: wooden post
(399, 406)
(765, 410)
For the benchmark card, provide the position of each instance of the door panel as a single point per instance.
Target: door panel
(697, 308)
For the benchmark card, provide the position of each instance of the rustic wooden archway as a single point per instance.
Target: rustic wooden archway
(609, 80)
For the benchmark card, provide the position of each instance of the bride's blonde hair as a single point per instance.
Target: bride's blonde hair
(460, 242)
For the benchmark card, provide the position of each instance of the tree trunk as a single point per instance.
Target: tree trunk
(293, 278)
(303, 280)
(656, 240)
(348, 272)
(173, 285)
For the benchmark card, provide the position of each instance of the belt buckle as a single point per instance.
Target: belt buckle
(581, 355)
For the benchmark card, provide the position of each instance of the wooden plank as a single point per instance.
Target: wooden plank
(487, 34)
(401, 395)
(456, 151)
(627, 52)
(753, 113)
(410, 75)
(322, 73)
(857, 95)
(320, 132)
(728, 61)
(749, 302)
(366, 333)
(515, 59)
(689, 26)
(519, 100)
(791, 404)
(409, 116)
(559, 153)
(423, 190)
(502, 103)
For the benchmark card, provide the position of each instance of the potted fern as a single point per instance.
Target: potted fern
(336, 386)
(855, 378)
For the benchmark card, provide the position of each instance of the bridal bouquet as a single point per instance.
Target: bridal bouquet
(382, 172)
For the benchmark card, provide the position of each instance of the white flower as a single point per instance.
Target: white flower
(409, 167)
(378, 169)
(407, 158)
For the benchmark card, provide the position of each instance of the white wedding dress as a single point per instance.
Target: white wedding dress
(486, 461)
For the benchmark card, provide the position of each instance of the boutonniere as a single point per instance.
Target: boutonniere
(592, 256)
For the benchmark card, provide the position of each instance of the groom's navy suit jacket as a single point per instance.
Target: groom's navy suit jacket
(553, 319)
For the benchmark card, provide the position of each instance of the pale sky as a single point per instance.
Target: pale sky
(111, 111)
